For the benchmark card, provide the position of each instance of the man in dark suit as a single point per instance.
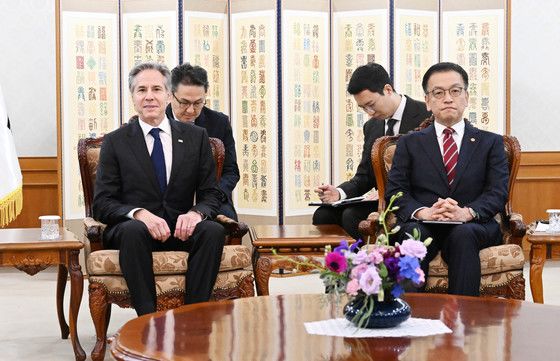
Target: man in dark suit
(451, 171)
(390, 113)
(148, 175)
(189, 85)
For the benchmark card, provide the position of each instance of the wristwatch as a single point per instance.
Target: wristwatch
(474, 214)
(202, 215)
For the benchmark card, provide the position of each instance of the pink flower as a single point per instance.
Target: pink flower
(375, 256)
(336, 262)
(358, 271)
(360, 257)
(370, 282)
(413, 248)
(353, 287)
(421, 277)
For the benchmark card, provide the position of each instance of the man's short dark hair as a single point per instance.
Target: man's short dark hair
(188, 74)
(442, 68)
(371, 76)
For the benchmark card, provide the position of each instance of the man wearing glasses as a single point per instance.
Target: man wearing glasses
(451, 172)
(390, 113)
(189, 86)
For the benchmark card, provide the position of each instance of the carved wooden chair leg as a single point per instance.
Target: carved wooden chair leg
(262, 272)
(108, 316)
(98, 307)
(247, 287)
(60, 289)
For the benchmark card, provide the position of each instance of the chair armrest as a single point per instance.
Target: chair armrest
(517, 228)
(371, 227)
(234, 230)
(93, 230)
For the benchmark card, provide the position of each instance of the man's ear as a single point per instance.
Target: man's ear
(427, 103)
(388, 89)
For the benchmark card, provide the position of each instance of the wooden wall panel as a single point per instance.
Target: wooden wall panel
(40, 190)
(537, 188)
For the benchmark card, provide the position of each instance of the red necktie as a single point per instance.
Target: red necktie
(450, 154)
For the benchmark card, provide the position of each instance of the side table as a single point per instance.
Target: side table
(537, 257)
(24, 249)
(289, 242)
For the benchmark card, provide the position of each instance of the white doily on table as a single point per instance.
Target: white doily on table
(413, 327)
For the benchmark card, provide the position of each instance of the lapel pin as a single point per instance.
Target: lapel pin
(472, 139)
(180, 140)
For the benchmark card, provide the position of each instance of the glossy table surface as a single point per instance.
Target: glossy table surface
(272, 328)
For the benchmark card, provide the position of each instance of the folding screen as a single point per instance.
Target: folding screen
(416, 45)
(473, 35)
(148, 33)
(294, 124)
(360, 35)
(205, 36)
(254, 105)
(90, 85)
(305, 102)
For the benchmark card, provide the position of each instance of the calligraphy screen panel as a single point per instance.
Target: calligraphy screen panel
(254, 110)
(90, 94)
(475, 39)
(359, 37)
(148, 34)
(416, 49)
(305, 107)
(205, 44)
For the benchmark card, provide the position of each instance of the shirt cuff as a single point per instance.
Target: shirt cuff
(342, 193)
(416, 210)
(131, 213)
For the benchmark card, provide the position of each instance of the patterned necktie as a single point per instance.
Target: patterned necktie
(450, 154)
(390, 125)
(158, 160)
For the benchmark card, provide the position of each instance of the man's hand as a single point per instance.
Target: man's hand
(327, 193)
(186, 224)
(157, 226)
(445, 210)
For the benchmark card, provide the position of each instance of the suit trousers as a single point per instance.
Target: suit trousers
(135, 245)
(348, 217)
(459, 246)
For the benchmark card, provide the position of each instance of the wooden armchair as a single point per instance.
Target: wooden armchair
(501, 266)
(106, 283)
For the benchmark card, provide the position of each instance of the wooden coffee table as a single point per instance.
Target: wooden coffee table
(272, 328)
(289, 241)
(24, 249)
(537, 257)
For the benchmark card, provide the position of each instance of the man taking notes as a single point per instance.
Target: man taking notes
(390, 113)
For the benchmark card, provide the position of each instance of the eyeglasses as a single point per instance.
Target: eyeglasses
(439, 93)
(186, 104)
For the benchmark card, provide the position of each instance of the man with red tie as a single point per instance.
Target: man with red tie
(451, 171)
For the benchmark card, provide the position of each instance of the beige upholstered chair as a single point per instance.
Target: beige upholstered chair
(501, 266)
(106, 283)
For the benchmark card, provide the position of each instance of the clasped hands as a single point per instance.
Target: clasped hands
(446, 209)
(159, 229)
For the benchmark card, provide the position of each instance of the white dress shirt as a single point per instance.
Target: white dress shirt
(166, 142)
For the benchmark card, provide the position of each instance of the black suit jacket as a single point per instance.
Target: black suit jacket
(481, 179)
(414, 113)
(126, 178)
(218, 126)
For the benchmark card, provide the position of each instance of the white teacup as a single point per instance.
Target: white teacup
(49, 227)
(553, 220)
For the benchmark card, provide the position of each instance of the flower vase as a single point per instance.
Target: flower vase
(385, 314)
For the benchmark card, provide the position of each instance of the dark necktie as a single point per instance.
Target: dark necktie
(450, 154)
(158, 160)
(390, 125)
